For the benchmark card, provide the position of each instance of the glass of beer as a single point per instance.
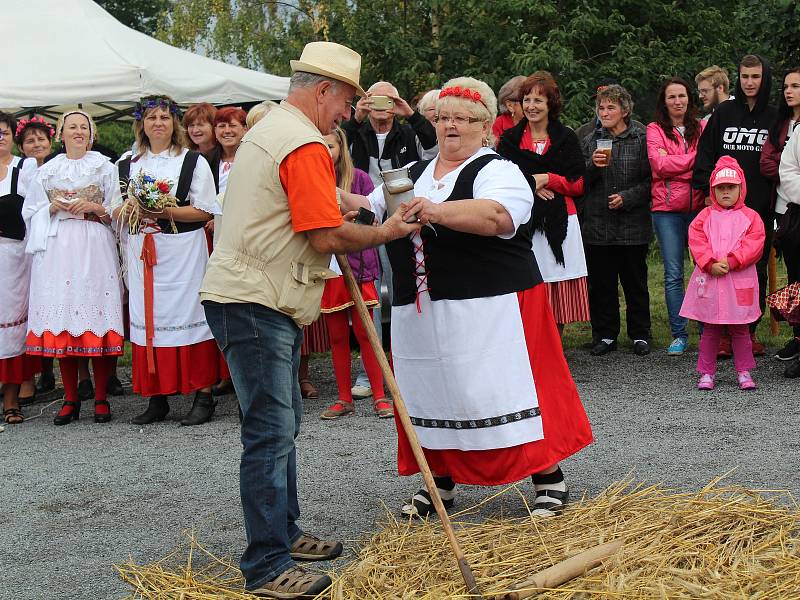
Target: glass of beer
(605, 147)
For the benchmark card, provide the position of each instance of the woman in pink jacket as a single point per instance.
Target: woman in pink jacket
(726, 240)
(671, 147)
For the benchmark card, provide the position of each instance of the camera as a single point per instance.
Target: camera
(381, 102)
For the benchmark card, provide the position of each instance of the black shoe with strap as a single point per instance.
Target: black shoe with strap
(421, 503)
(70, 411)
(157, 409)
(102, 411)
(202, 409)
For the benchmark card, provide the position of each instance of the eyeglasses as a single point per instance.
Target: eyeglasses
(456, 120)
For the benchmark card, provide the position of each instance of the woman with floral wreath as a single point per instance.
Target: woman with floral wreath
(165, 256)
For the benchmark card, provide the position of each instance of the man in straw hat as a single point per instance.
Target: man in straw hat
(264, 282)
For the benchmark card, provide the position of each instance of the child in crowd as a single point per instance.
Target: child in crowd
(337, 303)
(726, 240)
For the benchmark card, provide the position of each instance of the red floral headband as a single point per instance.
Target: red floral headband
(21, 125)
(460, 92)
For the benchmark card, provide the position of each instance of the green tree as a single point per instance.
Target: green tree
(141, 15)
(419, 44)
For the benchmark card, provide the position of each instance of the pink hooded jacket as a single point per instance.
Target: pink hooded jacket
(735, 234)
(671, 183)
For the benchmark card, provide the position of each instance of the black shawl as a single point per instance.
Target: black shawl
(563, 157)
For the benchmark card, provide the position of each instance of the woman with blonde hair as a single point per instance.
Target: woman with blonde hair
(337, 302)
(76, 296)
(506, 410)
(166, 254)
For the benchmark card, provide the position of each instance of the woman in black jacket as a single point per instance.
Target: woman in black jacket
(617, 227)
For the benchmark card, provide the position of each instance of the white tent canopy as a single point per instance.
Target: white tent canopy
(64, 53)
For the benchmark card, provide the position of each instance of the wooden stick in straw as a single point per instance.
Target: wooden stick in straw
(411, 434)
(566, 570)
(772, 272)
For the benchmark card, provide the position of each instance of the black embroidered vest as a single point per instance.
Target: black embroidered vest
(463, 265)
(181, 193)
(11, 224)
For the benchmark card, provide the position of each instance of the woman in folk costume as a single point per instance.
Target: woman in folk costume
(16, 367)
(549, 154)
(76, 294)
(476, 350)
(166, 254)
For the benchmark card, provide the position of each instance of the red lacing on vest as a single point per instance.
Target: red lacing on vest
(420, 271)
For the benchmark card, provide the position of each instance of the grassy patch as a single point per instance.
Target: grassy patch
(576, 334)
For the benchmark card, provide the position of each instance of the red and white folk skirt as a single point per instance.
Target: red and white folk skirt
(564, 421)
(178, 369)
(19, 369)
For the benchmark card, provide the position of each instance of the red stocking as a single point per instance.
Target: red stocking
(69, 377)
(339, 335)
(102, 367)
(369, 359)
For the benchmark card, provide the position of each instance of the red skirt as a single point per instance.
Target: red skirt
(569, 300)
(337, 297)
(179, 369)
(19, 369)
(566, 426)
(86, 345)
(315, 338)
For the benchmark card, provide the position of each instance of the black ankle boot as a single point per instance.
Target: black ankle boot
(157, 409)
(202, 409)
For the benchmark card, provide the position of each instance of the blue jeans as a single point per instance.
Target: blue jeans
(672, 231)
(262, 348)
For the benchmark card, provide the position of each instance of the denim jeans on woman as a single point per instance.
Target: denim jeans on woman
(262, 348)
(672, 231)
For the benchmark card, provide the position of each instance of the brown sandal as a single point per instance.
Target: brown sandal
(294, 582)
(13, 416)
(307, 390)
(309, 547)
(383, 408)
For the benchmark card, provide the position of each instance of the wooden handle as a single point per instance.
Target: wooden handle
(405, 421)
(566, 570)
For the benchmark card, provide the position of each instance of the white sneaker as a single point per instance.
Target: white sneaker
(361, 391)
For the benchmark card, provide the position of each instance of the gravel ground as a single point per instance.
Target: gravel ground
(80, 498)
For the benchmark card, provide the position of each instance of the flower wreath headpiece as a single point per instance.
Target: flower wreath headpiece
(460, 92)
(148, 102)
(37, 122)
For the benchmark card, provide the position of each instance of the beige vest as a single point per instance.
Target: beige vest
(258, 257)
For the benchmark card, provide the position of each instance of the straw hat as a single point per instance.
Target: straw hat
(331, 60)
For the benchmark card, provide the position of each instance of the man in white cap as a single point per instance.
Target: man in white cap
(264, 282)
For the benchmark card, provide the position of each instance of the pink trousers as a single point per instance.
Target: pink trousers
(741, 344)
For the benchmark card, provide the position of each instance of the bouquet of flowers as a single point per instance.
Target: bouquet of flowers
(148, 194)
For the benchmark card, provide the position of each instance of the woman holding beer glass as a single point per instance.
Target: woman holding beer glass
(617, 227)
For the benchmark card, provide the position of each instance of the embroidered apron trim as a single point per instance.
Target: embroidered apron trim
(477, 423)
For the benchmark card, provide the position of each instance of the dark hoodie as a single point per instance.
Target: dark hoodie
(736, 131)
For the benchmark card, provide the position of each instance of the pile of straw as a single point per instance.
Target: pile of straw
(720, 542)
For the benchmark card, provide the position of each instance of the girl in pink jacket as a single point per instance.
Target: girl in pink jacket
(726, 240)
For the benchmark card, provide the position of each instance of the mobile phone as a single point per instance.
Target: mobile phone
(365, 217)
(381, 102)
